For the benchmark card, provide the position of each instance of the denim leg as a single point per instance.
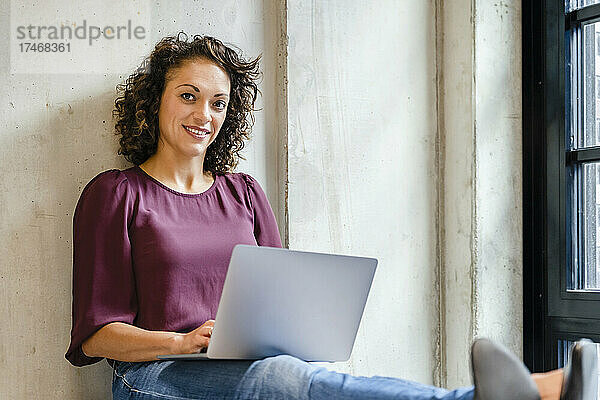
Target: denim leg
(177, 380)
(280, 377)
(286, 377)
(327, 384)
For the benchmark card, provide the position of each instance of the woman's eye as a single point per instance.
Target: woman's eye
(221, 105)
(187, 94)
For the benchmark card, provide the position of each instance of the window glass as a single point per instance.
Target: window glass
(571, 5)
(586, 262)
(590, 136)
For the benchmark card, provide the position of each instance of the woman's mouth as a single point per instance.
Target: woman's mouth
(197, 133)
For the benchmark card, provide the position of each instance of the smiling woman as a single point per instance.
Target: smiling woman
(216, 72)
(194, 101)
(152, 244)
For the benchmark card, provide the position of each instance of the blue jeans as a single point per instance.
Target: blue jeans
(279, 377)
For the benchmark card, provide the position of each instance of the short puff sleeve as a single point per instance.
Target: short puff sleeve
(266, 231)
(103, 279)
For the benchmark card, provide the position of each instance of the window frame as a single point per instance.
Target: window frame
(550, 311)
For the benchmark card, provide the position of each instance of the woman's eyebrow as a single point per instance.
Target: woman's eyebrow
(197, 90)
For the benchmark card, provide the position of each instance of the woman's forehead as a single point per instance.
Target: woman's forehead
(204, 75)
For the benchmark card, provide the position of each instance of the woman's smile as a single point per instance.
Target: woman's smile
(198, 133)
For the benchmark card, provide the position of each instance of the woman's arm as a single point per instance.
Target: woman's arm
(266, 231)
(125, 342)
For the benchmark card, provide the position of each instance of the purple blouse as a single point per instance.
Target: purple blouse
(150, 256)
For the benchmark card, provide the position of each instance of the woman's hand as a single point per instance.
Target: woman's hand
(198, 339)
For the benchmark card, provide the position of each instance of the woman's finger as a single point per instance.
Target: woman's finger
(207, 331)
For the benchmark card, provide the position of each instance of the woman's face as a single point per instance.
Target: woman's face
(192, 108)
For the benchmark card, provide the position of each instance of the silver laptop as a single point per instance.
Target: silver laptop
(279, 301)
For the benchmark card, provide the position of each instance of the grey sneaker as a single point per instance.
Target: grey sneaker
(580, 379)
(499, 375)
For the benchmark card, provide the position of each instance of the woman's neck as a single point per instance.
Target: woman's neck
(184, 177)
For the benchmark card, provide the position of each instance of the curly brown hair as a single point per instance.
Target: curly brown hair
(136, 108)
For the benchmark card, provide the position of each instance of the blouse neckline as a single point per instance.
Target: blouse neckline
(162, 185)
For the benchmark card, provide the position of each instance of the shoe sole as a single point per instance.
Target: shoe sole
(583, 364)
(499, 375)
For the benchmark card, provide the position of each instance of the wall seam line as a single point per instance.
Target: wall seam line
(283, 129)
(440, 375)
(474, 228)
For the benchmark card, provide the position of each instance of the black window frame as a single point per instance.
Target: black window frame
(550, 312)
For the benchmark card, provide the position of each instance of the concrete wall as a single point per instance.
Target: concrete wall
(400, 142)
(480, 113)
(410, 151)
(57, 135)
(458, 172)
(362, 130)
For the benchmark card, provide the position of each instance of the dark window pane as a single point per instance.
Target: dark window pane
(585, 233)
(571, 5)
(591, 90)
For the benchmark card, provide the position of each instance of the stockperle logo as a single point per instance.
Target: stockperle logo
(96, 37)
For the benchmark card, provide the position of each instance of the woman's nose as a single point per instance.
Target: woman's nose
(202, 114)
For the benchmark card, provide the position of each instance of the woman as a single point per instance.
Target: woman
(152, 245)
